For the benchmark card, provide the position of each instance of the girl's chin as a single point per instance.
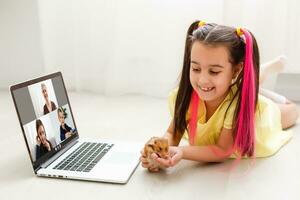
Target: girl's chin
(207, 99)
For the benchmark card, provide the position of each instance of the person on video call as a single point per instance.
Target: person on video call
(49, 105)
(43, 145)
(65, 130)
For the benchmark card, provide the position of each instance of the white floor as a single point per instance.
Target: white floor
(139, 118)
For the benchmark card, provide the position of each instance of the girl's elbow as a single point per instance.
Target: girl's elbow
(220, 154)
(219, 159)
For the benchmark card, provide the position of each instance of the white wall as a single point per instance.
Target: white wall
(119, 46)
(128, 46)
(20, 46)
(275, 23)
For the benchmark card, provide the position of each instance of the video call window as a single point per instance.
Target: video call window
(43, 98)
(47, 120)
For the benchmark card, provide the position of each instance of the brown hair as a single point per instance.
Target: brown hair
(212, 35)
(39, 123)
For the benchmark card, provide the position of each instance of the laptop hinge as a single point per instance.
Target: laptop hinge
(58, 154)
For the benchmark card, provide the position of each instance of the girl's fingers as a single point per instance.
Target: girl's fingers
(173, 161)
(164, 162)
(143, 153)
(154, 156)
(155, 169)
(145, 165)
(143, 159)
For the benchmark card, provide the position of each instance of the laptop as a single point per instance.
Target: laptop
(53, 142)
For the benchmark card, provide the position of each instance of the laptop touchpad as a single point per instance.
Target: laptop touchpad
(121, 158)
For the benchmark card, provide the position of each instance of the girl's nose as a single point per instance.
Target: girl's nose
(202, 79)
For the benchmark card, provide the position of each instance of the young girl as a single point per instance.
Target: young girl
(217, 104)
(43, 144)
(65, 130)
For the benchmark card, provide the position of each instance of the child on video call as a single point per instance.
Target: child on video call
(217, 104)
(43, 145)
(65, 130)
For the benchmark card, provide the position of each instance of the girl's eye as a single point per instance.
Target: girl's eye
(214, 72)
(196, 69)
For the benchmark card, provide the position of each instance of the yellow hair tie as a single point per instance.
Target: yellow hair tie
(201, 23)
(239, 32)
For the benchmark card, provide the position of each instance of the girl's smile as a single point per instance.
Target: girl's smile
(207, 89)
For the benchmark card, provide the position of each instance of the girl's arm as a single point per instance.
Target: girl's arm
(173, 141)
(211, 153)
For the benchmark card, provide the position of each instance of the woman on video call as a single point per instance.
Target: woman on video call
(49, 105)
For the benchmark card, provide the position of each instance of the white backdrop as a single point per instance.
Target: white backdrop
(116, 47)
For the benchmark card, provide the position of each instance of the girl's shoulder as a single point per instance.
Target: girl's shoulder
(172, 100)
(172, 96)
(173, 93)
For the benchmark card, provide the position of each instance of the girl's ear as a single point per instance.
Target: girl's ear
(237, 70)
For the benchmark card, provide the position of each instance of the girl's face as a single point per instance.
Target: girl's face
(61, 118)
(42, 134)
(211, 73)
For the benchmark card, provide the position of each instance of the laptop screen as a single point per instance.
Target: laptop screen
(45, 116)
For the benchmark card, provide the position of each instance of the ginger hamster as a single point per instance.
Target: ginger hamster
(157, 145)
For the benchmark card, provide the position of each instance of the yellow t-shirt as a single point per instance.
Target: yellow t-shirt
(269, 136)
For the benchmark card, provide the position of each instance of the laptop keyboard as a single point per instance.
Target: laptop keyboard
(85, 157)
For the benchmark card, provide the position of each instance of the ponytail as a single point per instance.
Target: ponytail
(245, 128)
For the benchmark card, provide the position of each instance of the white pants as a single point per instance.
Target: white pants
(277, 98)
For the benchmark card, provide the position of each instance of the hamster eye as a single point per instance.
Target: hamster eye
(160, 148)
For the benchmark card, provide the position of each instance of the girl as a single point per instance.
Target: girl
(43, 145)
(65, 130)
(217, 102)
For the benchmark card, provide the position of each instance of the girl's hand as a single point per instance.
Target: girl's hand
(38, 141)
(146, 164)
(47, 145)
(175, 155)
(68, 134)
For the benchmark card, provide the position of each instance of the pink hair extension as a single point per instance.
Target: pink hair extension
(194, 115)
(245, 135)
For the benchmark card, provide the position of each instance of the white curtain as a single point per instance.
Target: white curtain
(21, 55)
(117, 47)
(275, 23)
